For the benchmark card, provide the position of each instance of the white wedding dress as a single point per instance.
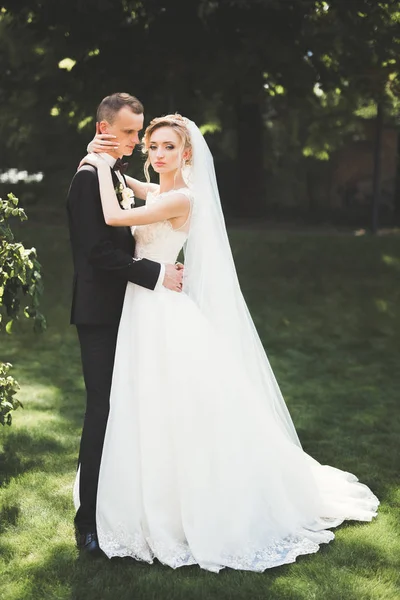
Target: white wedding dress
(194, 471)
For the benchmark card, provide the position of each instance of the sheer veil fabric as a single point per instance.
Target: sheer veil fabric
(211, 282)
(201, 461)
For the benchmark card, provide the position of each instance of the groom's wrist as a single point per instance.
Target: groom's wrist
(160, 279)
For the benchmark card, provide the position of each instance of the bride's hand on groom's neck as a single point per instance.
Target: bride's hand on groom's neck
(102, 142)
(94, 160)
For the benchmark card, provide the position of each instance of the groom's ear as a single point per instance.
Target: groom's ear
(103, 126)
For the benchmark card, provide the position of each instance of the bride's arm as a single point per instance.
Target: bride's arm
(176, 205)
(140, 188)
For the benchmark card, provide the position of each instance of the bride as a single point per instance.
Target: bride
(201, 461)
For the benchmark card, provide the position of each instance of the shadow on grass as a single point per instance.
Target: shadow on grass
(326, 374)
(340, 570)
(90, 579)
(23, 452)
(7, 551)
(8, 516)
(53, 362)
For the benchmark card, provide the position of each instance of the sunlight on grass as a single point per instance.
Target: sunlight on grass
(335, 351)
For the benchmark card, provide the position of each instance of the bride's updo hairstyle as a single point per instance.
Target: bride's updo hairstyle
(178, 124)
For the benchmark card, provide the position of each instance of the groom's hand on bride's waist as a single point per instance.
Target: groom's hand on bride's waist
(173, 277)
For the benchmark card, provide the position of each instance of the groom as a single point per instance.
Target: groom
(103, 264)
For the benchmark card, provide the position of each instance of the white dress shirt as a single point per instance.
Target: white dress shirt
(110, 160)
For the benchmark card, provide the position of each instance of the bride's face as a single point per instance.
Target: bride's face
(165, 150)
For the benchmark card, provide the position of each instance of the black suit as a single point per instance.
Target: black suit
(103, 264)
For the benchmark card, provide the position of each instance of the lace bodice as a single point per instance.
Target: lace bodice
(160, 241)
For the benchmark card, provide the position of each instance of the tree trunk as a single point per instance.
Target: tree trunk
(250, 200)
(396, 200)
(312, 202)
(377, 168)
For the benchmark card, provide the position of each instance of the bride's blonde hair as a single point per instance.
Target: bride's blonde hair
(178, 124)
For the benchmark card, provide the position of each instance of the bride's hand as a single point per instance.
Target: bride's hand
(102, 142)
(92, 159)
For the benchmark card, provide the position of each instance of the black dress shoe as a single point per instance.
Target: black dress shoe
(88, 543)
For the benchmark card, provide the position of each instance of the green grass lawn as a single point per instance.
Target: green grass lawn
(328, 311)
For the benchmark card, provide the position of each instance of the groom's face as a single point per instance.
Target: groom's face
(126, 126)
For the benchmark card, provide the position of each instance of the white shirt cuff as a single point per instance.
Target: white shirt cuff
(160, 278)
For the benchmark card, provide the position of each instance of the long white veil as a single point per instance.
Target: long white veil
(211, 282)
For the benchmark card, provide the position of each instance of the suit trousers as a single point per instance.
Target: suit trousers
(98, 344)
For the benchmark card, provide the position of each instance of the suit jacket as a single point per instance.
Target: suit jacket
(102, 255)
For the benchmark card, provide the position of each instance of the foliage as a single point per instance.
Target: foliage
(356, 48)
(252, 62)
(8, 389)
(20, 279)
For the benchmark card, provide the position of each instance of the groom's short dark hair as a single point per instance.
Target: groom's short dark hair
(111, 105)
